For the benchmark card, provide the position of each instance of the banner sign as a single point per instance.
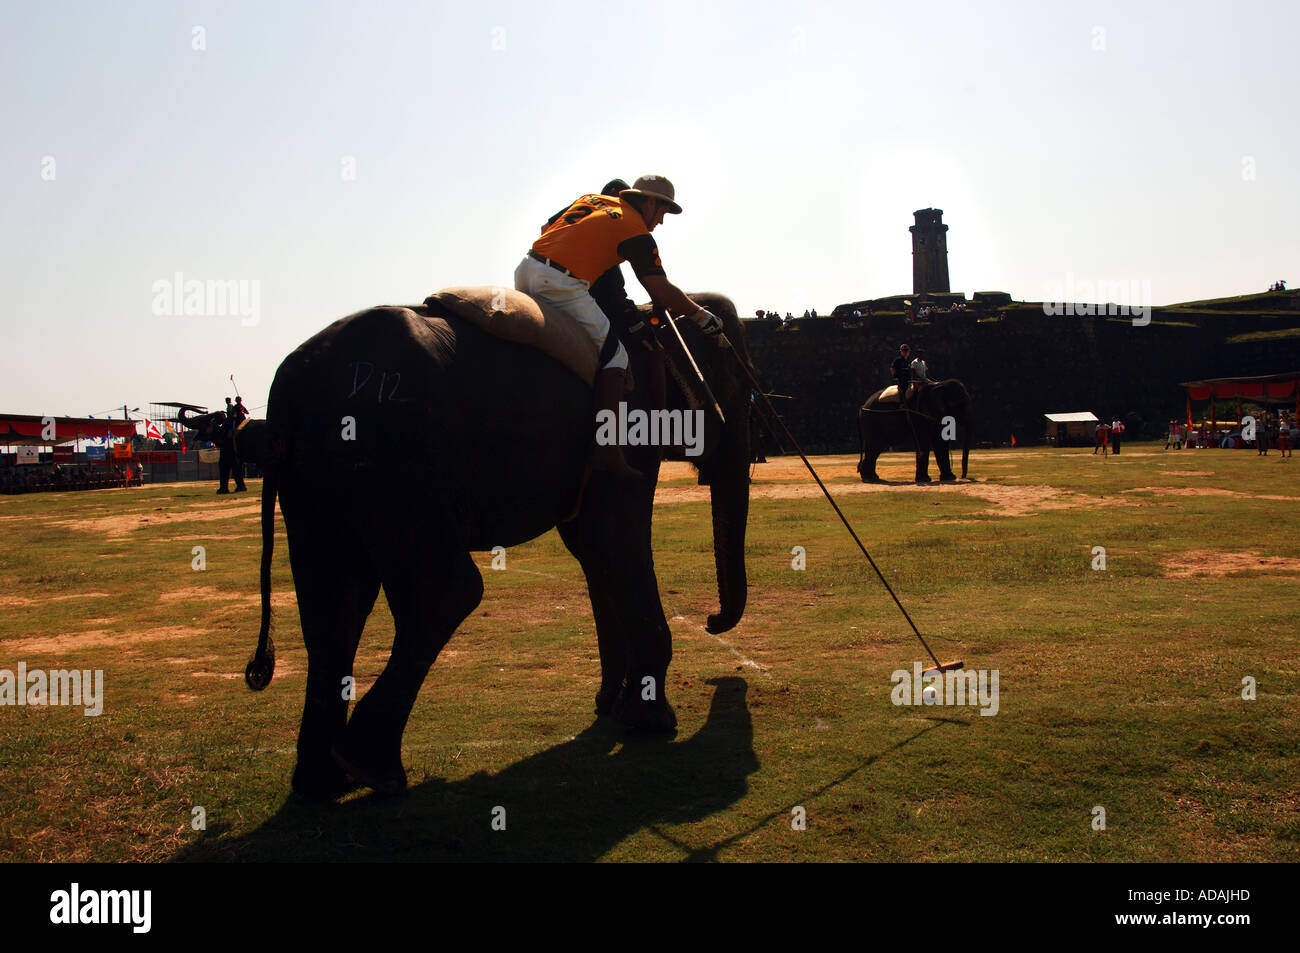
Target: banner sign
(156, 456)
(95, 454)
(28, 455)
(64, 455)
(121, 451)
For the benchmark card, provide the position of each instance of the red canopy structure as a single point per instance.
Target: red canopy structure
(26, 430)
(1267, 387)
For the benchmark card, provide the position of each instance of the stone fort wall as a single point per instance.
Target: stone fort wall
(1017, 368)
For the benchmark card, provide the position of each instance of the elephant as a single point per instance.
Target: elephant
(246, 445)
(884, 424)
(404, 438)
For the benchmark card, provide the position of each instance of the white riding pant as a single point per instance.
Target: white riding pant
(570, 295)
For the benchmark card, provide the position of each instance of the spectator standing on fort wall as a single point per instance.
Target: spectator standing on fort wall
(1116, 434)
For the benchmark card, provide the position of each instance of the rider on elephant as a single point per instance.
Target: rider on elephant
(610, 293)
(594, 234)
(901, 369)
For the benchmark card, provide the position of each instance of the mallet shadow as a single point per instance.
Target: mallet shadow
(572, 802)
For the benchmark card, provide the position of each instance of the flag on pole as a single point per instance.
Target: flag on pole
(1013, 440)
(150, 430)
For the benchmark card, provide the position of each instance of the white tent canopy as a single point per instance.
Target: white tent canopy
(1082, 417)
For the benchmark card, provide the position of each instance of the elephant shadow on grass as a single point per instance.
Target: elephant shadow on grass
(572, 802)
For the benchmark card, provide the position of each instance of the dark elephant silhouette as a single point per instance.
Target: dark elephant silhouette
(245, 445)
(922, 424)
(401, 439)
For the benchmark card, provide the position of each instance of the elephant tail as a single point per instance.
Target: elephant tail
(261, 667)
(862, 441)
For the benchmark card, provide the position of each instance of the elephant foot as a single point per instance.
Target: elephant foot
(924, 480)
(655, 717)
(871, 478)
(606, 699)
(241, 489)
(223, 492)
(317, 781)
(383, 779)
(948, 478)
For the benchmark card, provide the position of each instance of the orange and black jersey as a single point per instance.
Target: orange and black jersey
(595, 234)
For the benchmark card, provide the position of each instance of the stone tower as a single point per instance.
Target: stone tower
(929, 252)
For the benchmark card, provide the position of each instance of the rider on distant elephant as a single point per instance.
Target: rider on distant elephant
(594, 234)
(901, 369)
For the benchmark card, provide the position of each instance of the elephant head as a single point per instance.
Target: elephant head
(208, 426)
(724, 465)
(951, 399)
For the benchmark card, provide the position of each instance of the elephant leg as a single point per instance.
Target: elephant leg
(430, 592)
(337, 587)
(333, 616)
(643, 703)
(611, 639)
(636, 643)
(943, 458)
(223, 472)
(868, 453)
(868, 466)
(922, 459)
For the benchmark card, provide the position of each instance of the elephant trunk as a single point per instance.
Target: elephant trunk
(730, 500)
(968, 434)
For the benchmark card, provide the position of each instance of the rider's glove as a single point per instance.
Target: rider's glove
(711, 325)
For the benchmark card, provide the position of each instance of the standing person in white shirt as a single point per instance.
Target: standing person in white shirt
(1116, 432)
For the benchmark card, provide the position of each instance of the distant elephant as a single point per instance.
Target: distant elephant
(939, 405)
(246, 446)
(403, 439)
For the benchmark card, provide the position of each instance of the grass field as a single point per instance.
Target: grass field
(1119, 688)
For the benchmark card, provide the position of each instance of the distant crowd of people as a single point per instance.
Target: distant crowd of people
(854, 318)
(1277, 286)
(774, 317)
(33, 479)
(1272, 432)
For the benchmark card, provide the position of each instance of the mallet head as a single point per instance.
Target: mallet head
(945, 667)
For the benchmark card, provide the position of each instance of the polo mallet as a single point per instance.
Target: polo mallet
(772, 415)
(668, 320)
(232, 381)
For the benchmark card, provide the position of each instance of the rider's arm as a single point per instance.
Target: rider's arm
(667, 295)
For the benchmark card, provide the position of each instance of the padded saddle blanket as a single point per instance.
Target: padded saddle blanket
(888, 394)
(515, 316)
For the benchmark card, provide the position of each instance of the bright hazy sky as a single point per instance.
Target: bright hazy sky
(1150, 142)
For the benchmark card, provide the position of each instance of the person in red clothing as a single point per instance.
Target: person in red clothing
(1103, 439)
(592, 235)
